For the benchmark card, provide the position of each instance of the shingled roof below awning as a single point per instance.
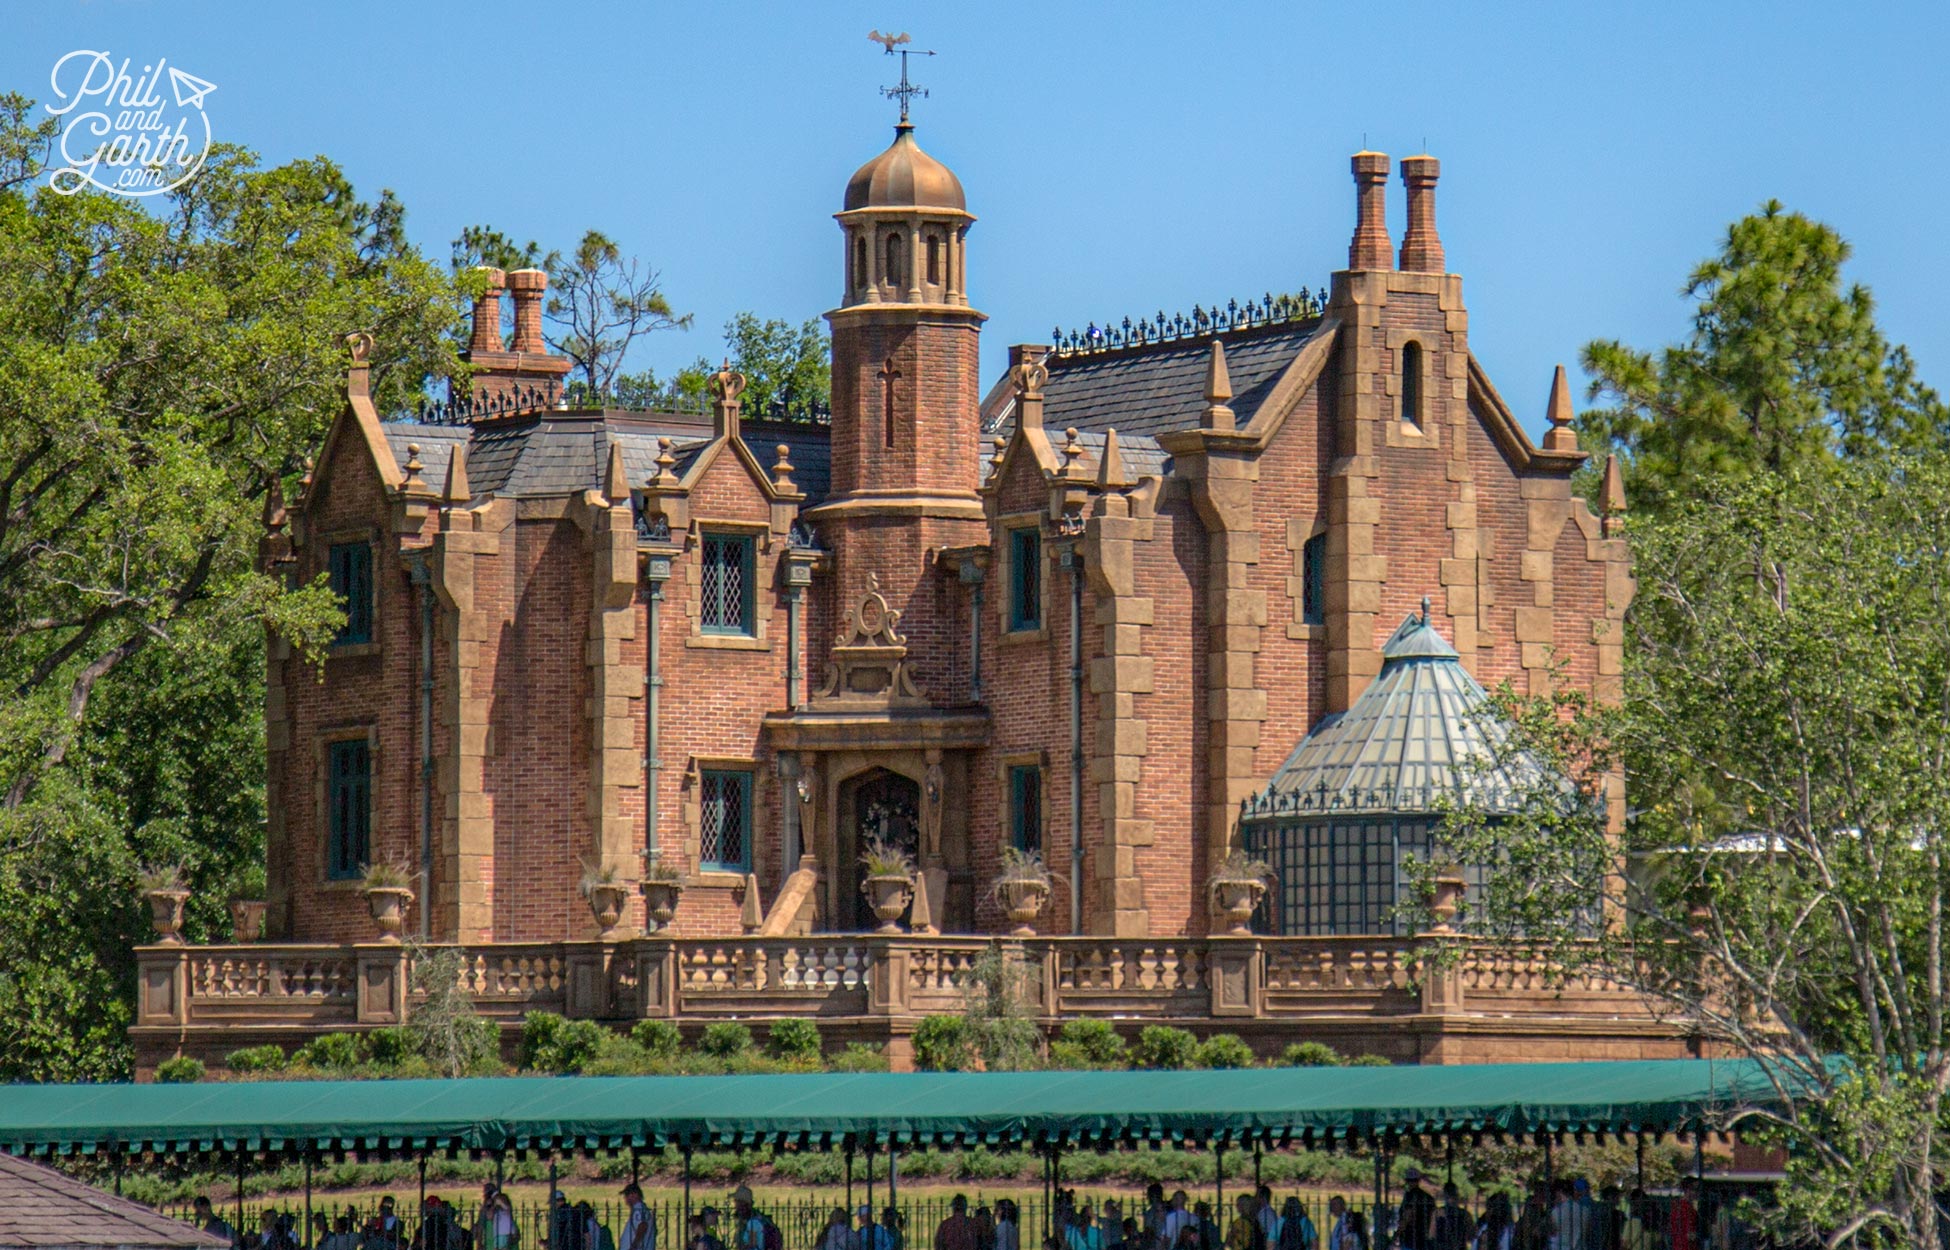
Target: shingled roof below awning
(46, 1210)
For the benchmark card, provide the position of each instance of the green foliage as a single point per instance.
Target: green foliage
(539, 1031)
(660, 1039)
(1096, 1042)
(444, 1027)
(1310, 1055)
(600, 302)
(1224, 1050)
(390, 1047)
(724, 1039)
(330, 1050)
(1370, 1061)
(944, 1044)
(1001, 1030)
(179, 1070)
(161, 372)
(1163, 1047)
(796, 1038)
(1784, 369)
(858, 1057)
(266, 1058)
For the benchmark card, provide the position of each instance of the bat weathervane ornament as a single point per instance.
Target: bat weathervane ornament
(906, 91)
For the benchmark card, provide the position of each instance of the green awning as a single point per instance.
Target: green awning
(996, 1109)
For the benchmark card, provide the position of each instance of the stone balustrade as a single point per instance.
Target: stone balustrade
(1359, 993)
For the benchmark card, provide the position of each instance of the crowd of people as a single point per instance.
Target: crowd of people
(1561, 1214)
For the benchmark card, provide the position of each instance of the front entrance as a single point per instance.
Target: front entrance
(886, 806)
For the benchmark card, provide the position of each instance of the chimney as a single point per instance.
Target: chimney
(528, 285)
(487, 312)
(1421, 245)
(1371, 248)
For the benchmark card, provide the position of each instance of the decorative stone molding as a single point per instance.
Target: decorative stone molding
(868, 666)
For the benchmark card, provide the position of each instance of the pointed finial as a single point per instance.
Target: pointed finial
(1072, 452)
(751, 916)
(999, 451)
(1561, 436)
(616, 482)
(1611, 496)
(1110, 466)
(921, 918)
(1218, 389)
(1425, 610)
(782, 468)
(457, 490)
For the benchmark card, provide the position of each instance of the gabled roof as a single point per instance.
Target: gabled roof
(1421, 732)
(43, 1209)
(1159, 387)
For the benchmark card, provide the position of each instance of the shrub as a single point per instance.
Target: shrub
(551, 1044)
(725, 1039)
(944, 1044)
(660, 1039)
(1096, 1040)
(1371, 1061)
(1311, 1055)
(390, 1047)
(859, 1057)
(538, 1031)
(796, 1039)
(182, 1070)
(1164, 1047)
(1225, 1050)
(1069, 1057)
(266, 1058)
(333, 1050)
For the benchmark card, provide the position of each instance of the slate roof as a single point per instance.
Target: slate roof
(1418, 733)
(1160, 387)
(46, 1210)
(565, 453)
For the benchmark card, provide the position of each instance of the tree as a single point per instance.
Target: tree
(1784, 731)
(787, 368)
(162, 374)
(601, 303)
(1785, 367)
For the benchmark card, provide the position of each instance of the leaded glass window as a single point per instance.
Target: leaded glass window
(726, 827)
(727, 584)
(348, 808)
(1026, 807)
(1313, 581)
(349, 569)
(1025, 578)
(1345, 877)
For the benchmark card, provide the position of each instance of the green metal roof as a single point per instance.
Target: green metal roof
(818, 1110)
(1418, 733)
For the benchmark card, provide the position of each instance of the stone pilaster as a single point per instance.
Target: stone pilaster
(1355, 571)
(469, 538)
(615, 688)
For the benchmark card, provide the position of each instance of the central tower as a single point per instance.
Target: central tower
(906, 437)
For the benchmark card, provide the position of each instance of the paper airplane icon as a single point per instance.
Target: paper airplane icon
(190, 89)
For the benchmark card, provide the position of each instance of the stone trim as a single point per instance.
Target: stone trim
(1435, 401)
(468, 536)
(1004, 576)
(764, 570)
(1298, 533)
(615, 689)
(374, 539)
(1355, 574)
(1119, 674)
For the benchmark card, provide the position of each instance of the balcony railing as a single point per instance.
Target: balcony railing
(864, 977)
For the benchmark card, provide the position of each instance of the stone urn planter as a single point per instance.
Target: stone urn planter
(1449, 890)
(660, 898)
(606, 902)
(166, 913)
(1237, 885)
(389, 904)
(1023, 901)
(247, 920)
(889, 896)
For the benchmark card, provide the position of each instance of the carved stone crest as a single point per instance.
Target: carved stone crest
(869, 661)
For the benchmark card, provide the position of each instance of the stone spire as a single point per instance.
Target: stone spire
(1561, 437)
(1218, 389)
(1611, 497)
(456, 490)
(1110, 466)
(616, 482)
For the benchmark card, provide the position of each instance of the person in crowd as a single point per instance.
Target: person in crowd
(869, 1235)
(1268, 1215)
(1611, 1218)
(1008, 1225)
(1416, 1213)
(506, 1231)
(1682, 1221)
(1336, 1221)
(1244, 1232)
(1452, 1226)
(596, 1235)
(1188, 1237)
(321, 1228)
(1129, 1236)
(564, 1231)
(1641, 1224)
(1533, 1230)
(386, 1231)
(1209, 1235)
(1153, 1219)
(484, 1218)
(1355, 1235)
(210, 1222)
(1297, 1231)
(1177, 1218)
(1110, 1220)
(640, 1225)
(1493, 1231)
(836, 1235)
(1083, 1233)
(984, 1228)
(959, 1231)
(341, 1237)
(895, 1226)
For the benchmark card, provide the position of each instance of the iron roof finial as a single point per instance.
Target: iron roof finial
(1425, 610)
(906, 91)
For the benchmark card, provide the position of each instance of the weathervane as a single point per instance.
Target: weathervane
(907, 90)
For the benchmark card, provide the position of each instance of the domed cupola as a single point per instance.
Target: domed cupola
(906, 220)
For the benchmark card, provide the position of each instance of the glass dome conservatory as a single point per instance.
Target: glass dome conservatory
(1366, 788)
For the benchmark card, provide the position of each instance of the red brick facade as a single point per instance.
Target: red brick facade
(1173, 481)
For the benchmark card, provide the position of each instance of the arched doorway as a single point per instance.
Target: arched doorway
(884, 805)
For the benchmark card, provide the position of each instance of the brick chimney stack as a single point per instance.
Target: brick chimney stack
(1371, 248)
(1421, 245)
(528, 286)
(487, 313)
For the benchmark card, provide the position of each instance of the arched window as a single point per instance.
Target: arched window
(1412, 384)
(859, 263)
(895, 274)
(934, 259)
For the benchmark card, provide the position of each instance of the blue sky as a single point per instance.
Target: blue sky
(1122, 159)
